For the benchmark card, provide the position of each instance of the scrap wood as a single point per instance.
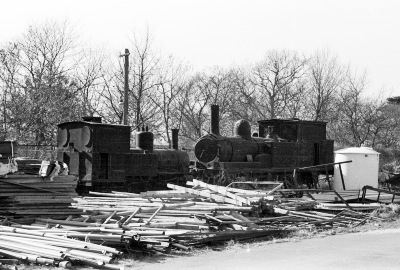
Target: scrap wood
(354, 206)
(275, 189)
(155, 213)
(235, 193)
(23, 196)
(222, 191)
(166, 194)
(195, 210)
(228, 235)
(30, 187)
(252, 184)
(349, 214)
(26, 245)
(205, 194)
(317, 218)
(160, 220)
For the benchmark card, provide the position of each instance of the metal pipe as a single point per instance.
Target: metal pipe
(215, 119)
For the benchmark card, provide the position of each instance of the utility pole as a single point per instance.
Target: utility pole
(5, 114)
(126, 87)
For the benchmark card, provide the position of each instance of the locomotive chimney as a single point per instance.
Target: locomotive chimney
(215, 119)
(175, 132)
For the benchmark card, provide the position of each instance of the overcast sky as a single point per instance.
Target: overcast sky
(206, 33)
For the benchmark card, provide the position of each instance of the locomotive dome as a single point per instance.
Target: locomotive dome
(242, 129)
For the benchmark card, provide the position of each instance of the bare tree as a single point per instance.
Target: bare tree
(388, 128)
(169, 86)
(216, 86)
(41, 95)
(296, 106)
(8, 75)
(49, 79)
(144, 68)
(360, 120)
(325, 78)
(274, 79)
(109, 90)
(244, 99)
(88, 79)
(193, 104)
(222, 86)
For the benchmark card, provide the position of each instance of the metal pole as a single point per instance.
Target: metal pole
(341, 176)
(5, 115)
(295, 178)
(126, 87)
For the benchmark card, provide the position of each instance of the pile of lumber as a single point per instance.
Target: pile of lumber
(161, 221)
(31, 196)
(33, 245)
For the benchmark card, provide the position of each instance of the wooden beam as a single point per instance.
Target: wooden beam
(204, 194)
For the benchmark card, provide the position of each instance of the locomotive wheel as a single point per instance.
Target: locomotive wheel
(224, 178)
(132, 186)
(137, 184)
(214, 177)
(207, 176)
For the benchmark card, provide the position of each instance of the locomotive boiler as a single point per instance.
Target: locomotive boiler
(101, 156)
(279, 147)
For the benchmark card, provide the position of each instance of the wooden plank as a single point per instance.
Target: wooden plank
(221, 190)
(155, 213)
(204, 194)
(249, 193)
(248, 223)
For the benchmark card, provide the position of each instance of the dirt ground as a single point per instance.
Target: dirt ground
(378, 249)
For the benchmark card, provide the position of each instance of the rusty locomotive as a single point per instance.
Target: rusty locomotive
(101, 157)
(272, 154)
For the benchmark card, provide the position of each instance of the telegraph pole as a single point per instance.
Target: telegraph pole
(126, 87)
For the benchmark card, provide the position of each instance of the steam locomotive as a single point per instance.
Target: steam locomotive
(280, 147)
(101, 156)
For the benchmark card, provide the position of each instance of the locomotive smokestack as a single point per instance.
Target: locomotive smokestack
(215, 119)
(175, 132)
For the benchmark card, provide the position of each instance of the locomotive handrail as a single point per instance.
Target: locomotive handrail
(324, 166)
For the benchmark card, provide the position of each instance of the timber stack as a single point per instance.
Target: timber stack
(29, 196)
(34, 188)
(159, 222)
